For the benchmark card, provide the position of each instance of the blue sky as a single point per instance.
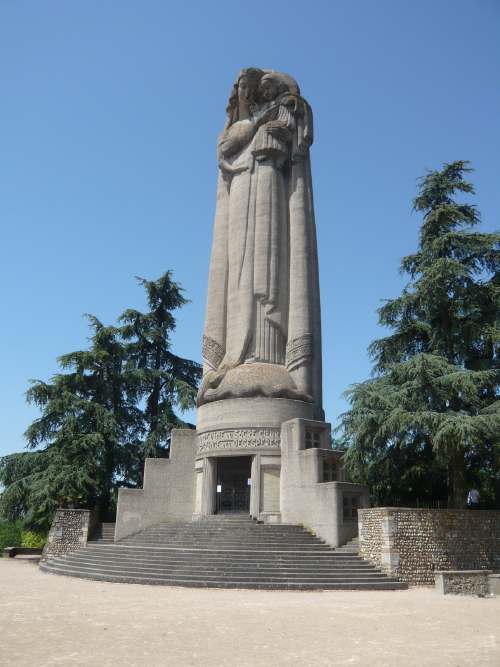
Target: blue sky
(108, 123)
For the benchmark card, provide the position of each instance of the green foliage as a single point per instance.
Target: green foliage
(32, 540)
(111, 405)
(428, 423)
(10, 534)
(163, 379)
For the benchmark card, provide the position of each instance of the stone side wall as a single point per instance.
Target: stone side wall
(69, 531)
(413, 543)
(371, 537)
(304, 498)
(168, 490)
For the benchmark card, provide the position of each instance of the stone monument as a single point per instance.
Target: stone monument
(261, 445)
(262, 331)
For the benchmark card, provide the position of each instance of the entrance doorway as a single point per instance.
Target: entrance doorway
(233, 484)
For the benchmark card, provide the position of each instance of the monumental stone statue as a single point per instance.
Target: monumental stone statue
(261, 445)
(262, 332)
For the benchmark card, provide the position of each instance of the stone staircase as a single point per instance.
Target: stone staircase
(222, 552)
(351, 547)
(104, 534)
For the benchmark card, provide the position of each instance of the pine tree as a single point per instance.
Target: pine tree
(164, 380)
(100, 414)
(430, 418)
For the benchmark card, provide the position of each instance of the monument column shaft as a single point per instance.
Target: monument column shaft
(208, 487)
(255, 488)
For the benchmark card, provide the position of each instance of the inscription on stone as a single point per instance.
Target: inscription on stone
(239, 438)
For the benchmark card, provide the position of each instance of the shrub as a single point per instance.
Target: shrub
(33, 540)
(10, 534)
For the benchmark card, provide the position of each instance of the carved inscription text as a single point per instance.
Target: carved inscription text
(239, 438)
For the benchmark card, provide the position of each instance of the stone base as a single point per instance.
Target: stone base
(293, 475)
(257, 412)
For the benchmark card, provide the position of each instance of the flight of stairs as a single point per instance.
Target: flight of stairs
(224, 552)
(104, 534)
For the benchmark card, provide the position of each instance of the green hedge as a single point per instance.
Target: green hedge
(13, 535)
(10, 534)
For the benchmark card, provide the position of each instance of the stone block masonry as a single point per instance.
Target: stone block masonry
(412, 544)
(463, 582)
(69, 532)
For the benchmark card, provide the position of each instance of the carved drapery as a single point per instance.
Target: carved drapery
(263, 294)
(212, 351)
(299, 350)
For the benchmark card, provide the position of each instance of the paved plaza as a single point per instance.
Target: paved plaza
(47, 620)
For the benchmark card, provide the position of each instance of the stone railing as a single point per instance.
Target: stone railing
(412, 544)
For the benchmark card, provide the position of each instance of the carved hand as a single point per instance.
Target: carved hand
(278, 129)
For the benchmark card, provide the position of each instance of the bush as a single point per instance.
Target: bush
(10, 534)
(33, 540)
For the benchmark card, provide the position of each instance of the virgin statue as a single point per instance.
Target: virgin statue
(262, 329)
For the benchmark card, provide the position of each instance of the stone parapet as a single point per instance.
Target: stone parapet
(413, 544)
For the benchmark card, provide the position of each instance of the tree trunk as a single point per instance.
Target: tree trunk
(457, 483)
(154, 397)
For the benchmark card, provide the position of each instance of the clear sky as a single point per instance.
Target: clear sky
(108, 124)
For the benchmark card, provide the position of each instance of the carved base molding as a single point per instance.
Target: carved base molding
(239, 438)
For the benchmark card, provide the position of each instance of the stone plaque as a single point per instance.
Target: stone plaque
(239, 438)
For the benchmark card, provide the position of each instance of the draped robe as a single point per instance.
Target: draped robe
(263, 292)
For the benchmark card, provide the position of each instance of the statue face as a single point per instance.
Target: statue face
(243, 88)
(268, 88)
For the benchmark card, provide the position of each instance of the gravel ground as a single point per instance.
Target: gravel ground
(50, 620)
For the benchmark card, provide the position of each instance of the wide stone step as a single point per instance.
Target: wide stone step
(227, 583)
(221, 565)
(221, 533)
(236, 573)
(224, 539)
(254, 528)
(148, 551)
(300, 537)
(229, 537)
(209, 575)
(216, 558)
(243, 563)
(217, 530)
(236, 546)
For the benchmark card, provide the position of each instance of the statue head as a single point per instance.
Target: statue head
(273, 84)
(244, 92)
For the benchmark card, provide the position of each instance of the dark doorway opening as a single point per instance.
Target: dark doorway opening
(233, 484)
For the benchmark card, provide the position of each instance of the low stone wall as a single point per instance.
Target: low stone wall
(412, 544)
(463, 582)
(69, 531)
